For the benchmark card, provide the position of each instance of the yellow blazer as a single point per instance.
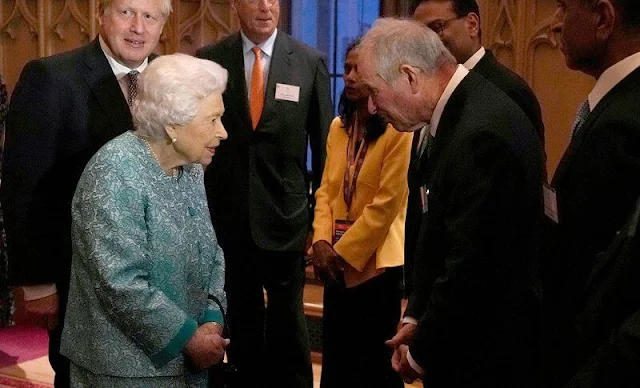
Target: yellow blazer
(379, 206)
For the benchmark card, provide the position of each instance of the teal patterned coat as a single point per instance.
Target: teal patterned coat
(145, 258)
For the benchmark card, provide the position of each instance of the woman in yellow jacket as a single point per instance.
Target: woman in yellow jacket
(358, 240)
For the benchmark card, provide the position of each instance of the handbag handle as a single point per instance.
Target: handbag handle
(222, 375)
(225, 327)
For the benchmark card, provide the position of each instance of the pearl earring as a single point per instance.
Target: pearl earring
(174, 139)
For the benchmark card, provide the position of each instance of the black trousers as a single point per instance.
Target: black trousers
(269, 344)
(356, 323)
(59, 363)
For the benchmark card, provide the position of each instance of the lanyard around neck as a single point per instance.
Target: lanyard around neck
(354, 160)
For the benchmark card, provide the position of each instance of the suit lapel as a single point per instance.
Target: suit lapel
(448, 121)
(618, 250)
(574, 146)
(279, 72)
(485, 63)
(423, 160)
(414, 147)
(237, 87)
(105, 88)
(576, 141)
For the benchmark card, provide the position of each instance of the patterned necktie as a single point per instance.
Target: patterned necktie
(428, 147)
(133, 86)
(415, 156)
(581, 117)
(425, 143)
(257, 88)
(416, 145)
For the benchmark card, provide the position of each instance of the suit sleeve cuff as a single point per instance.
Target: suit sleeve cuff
(38, 291)
(212, 316)
(173, 349)
(414, 364)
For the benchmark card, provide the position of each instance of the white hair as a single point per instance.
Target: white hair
(170, 90)
(395, 42)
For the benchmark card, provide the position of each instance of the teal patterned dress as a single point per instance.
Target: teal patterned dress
(145, 259)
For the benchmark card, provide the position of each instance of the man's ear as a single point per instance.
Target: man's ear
(473, 24)
(606, 19)
(411, 72)
(100, 13)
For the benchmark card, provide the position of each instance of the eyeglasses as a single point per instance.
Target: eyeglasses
(439, 25)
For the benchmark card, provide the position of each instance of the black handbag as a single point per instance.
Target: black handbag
(223, 374)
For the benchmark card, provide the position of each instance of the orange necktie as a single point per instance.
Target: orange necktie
(257, 88)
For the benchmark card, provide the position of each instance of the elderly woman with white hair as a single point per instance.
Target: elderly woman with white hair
(146, 262)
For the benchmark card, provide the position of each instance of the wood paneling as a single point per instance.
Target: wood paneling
(519, 32)
(35, 28)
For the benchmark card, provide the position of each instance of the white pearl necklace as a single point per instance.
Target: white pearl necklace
(174, 170)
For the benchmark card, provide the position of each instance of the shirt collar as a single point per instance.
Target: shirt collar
(458, 76)
(475, 58)
(611, 77)
(119, 70)
(266, 46)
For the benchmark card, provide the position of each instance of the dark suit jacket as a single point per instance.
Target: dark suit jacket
(607, 343)
(257, 184)
(63, 109)
(474, 284)
(596, 183)
(514, 86)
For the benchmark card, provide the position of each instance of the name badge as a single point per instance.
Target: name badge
(287, 92)
(550, 202)
(340, 228)
(424, 199)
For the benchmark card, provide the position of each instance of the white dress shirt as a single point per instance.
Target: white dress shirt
(611, 77)
(475, 58)
(119, 70)
(458, 76)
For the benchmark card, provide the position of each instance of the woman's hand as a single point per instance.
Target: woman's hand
(206, 347)
(212, 328)
(327, 263)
